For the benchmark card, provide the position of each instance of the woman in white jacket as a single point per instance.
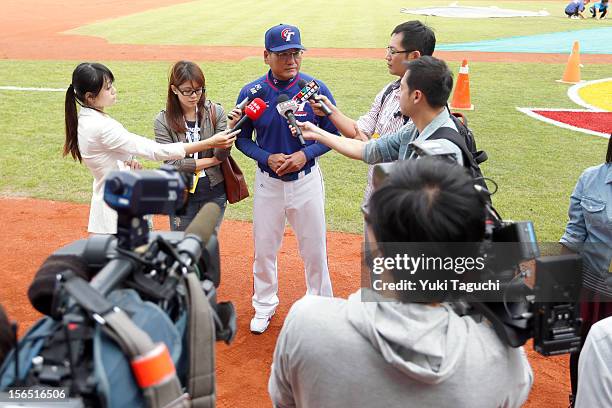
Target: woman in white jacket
(104, 145)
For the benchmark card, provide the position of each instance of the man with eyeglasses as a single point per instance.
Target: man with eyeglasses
(409, 40)
(288, 180)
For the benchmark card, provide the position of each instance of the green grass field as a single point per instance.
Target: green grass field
(330, 24)
(535, 164)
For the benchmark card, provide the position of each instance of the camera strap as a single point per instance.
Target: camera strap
(201, 343)
(151, 364)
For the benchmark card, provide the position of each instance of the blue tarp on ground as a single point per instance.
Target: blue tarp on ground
(592, 41)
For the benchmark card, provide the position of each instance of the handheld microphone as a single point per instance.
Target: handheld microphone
(286, 107)
(308, 92)
(252, 111)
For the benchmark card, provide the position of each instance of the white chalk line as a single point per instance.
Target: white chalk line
(21, 88)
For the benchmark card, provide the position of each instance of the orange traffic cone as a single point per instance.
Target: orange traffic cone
(572, 70)
(461, 97)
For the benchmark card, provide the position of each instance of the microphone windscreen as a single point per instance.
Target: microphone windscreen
(205, 222)
(255, 109)
(302, 83)
(42, 288)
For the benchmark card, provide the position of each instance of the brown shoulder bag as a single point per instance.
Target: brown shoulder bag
(235, 185)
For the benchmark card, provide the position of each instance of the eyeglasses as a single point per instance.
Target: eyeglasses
(189, 92)
(286, 56)
(392, 51)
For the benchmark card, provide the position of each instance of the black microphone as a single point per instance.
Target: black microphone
(309, 90)
(286, 107)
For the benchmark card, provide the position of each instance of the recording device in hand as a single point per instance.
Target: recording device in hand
(240, 105)
(255, 93)
(308, 92)
(286, 107)
(252, 111)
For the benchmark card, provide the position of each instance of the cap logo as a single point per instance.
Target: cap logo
(287, 33)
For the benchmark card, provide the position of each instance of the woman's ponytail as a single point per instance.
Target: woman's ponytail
(71, 146)
(88, 78)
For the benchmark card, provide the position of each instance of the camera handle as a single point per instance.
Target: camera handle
(113, 273)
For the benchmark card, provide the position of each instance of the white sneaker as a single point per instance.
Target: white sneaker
(259, 324)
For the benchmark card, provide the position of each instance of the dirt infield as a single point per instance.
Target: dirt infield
(37, 228)
(32, 29)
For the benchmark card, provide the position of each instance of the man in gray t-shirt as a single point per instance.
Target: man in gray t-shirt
(390, 352)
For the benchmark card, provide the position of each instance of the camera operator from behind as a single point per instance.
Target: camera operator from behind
(393, 353)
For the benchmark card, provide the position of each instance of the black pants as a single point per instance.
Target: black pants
(594, 12)
(203, 194)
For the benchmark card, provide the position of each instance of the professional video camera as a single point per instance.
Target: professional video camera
(537, 294)
(151, 262)
(147, 289)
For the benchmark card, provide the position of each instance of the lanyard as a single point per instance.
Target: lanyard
(193, 134)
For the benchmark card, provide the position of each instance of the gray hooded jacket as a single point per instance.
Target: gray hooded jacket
(348, 353)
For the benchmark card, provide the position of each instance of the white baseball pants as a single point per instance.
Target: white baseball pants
(302, 203)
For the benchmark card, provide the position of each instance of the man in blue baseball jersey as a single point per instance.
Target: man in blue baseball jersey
(288, 180)
(575, 8)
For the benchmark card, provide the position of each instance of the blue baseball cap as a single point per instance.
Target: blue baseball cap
(283, 37)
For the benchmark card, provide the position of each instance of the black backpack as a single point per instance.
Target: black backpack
(464, 139)
(479, 156)
(472, 157)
